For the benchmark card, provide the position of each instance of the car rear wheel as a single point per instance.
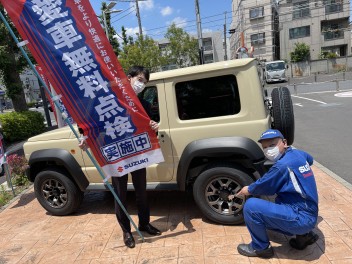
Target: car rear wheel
(214, 191)
(56, 192)
(282, 111)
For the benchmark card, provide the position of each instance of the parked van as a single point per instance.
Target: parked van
(275, 71)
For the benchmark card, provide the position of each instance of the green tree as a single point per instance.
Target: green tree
(12, 63)
(182, 49)
(300, 53)
(126, 40)
(144, 51)
(111, 31)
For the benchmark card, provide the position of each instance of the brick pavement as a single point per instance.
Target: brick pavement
(30, 235)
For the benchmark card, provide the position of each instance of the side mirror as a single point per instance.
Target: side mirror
(286, 66)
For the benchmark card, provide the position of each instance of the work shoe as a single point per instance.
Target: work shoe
(302, 241)
(247, 250)
(151, 230)
(128, 239)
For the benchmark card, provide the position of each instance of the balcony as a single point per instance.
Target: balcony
(332, 35)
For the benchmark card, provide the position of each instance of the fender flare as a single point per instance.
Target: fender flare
(61, 157)
(219, 147)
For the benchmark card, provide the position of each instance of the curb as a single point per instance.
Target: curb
(333, 175)
(14, 199)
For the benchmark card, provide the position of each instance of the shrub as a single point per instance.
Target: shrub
(31, 104)
(21, 125)
(300, 53)
(18, 165)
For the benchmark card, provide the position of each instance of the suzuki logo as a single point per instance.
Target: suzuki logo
(120, 169)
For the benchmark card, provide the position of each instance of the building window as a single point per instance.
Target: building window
(207, 44)
(208, 58)
(333, 6)
(333, 31)
(257, 12)
(163, 47)
(299, 32)
(258, 39)
(301, 9)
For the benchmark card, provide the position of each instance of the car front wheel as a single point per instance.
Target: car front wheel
(214, 192)
(56, 192)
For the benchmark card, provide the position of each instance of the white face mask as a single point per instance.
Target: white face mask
(138, 86)
(272, 153)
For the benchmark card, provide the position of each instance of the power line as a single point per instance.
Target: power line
(120, 13)
(187, 21)
(123, 16)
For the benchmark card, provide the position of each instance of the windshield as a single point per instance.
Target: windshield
(277, 66)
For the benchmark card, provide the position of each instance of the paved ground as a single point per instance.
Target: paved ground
(30, 235)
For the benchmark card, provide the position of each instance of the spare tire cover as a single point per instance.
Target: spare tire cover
(282, 113)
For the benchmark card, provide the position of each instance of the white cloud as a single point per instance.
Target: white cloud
(144, 5)
(131, 32)
(179, 22)
(166, 11)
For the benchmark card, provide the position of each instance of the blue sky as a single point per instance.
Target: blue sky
(157, 15)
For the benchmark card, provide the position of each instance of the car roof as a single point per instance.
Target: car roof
(200, 68)
(271, 62)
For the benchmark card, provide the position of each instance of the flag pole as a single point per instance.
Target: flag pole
(20, 44)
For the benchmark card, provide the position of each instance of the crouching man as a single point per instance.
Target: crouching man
(295, 210)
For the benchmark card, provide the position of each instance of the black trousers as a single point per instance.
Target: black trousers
(139, 179)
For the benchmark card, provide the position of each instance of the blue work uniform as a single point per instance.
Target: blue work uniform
(295, 210)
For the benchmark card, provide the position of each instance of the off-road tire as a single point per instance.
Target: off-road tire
(57, 193)
(282, 111)
(217, 210)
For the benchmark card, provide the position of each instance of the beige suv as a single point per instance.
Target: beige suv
(210, 118)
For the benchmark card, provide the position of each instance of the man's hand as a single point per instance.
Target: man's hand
(243, 192)
(83, 144)
(154, 125)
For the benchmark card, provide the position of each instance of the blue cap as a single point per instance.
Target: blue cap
(271, 133)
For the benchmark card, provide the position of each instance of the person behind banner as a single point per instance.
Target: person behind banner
(295, 210)
(138, 77)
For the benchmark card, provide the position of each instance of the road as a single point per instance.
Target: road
(323, 126)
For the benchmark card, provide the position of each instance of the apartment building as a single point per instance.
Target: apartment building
(256, 28)
(323, 25)
(272, 27)
(30, 85)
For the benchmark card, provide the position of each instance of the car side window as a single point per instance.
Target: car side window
(150, 102)
(208, 97)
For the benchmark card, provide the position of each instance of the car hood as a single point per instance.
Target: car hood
(60, 133)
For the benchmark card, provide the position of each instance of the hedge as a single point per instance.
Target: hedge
(17, 126)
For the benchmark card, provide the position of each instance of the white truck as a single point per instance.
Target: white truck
(275, 71)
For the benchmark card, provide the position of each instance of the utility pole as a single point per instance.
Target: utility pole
(139, 19)
(225, 57)
(200, 38)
